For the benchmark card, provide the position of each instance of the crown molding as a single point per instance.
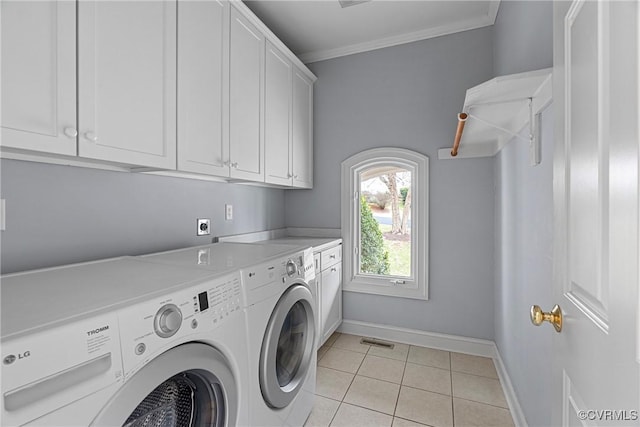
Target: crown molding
(456, 27)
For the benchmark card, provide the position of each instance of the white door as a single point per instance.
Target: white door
(127, 82)
(39, 75)
(302, 118)
(596, 75)
(246, 56)
(277, 117)
(202, 76)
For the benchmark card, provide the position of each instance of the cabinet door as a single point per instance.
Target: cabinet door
(331, 304)
(277, 117)
(39, 75)
(246, 51)
(202, 74)
(127, 82)
(302, 131)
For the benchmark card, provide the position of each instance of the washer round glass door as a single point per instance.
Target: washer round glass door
(287, 347)
(190, 398)
(189, 385)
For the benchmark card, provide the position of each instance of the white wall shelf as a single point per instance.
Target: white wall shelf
(498, 110)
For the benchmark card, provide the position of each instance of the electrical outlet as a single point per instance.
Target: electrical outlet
(204, 227)
(228, 212)
(3, 215)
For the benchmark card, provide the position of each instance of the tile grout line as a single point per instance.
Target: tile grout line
(453, 413)
(334, 414)
(368, 409)
(355, 374)
(451, 371)
(347, 391)
(428, 391)
(484, 403)
(404, 369)
(474, 375)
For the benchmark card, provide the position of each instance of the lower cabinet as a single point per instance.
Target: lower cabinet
(329, 281)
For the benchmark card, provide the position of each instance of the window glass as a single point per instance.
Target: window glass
(385, 221)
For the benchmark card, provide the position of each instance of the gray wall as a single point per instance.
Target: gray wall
(524, 218)
(408, 96)
(523, 36)
(63, 214)
(524, 251)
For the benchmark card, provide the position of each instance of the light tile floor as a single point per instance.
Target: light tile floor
(363, 385)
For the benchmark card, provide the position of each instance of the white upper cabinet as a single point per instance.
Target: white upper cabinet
(277, 117)
(202, 78)
(288, 118)
(302, 124)
(127, 82)
(38, 75)
(174, 87)
(246, 56)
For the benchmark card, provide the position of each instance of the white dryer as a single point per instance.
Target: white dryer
(123, 342)
(282, 336)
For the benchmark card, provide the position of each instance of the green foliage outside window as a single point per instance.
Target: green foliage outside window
(374, 259)
(403, 194)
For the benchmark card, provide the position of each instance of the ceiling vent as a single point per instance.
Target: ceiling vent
(347, 3)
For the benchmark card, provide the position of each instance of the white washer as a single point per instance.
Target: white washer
(225, 256)
(86, 344)
(265, 280)
(282, 337)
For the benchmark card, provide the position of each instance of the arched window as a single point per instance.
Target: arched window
(385, 222)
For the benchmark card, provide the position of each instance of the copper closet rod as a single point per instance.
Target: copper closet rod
(462, 118)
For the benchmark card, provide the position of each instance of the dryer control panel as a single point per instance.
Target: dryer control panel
(271, 278)
(152, 327)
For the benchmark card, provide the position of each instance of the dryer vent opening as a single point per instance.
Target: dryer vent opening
(377, 343)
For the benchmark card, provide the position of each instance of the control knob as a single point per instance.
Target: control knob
(167, 320)
(292, 268)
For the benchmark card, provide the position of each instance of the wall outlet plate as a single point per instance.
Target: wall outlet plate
(204, 227)
(3, 215)
(228, 212)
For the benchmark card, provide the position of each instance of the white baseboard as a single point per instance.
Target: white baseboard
(446, 342)
(509, 393)
(474, 346)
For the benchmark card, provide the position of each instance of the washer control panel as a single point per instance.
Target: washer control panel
(291, 268)
(152, 327)
(167, 321)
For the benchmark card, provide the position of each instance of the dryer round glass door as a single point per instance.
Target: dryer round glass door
(191, 398)
(287, 347)
(188, 385)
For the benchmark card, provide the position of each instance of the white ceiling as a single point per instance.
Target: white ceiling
(320, 29)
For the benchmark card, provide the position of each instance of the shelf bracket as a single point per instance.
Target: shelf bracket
(534, 131)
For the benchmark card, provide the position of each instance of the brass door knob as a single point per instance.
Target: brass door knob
(554, 317)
